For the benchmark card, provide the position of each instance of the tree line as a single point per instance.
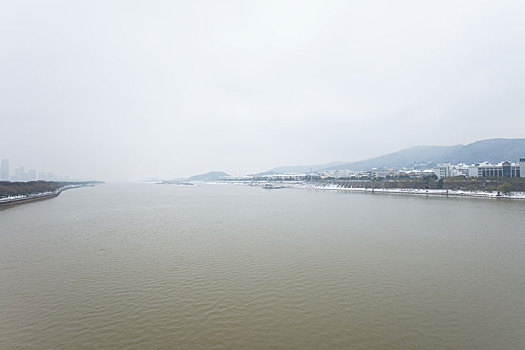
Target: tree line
(485, 184)
(9, 189)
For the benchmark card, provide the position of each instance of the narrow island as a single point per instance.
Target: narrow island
(13, 193)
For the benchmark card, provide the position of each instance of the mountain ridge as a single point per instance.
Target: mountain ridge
(489, 150)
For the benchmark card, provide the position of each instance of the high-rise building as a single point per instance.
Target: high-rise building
(4, 170)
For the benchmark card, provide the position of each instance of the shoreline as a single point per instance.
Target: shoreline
(400, 191)
(33, 197)
(416, 192)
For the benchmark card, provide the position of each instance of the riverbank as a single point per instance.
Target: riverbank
(328, 186)
(412, 191)
(22, 198)
(10, 201)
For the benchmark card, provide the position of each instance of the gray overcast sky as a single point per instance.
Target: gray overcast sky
(122, 90)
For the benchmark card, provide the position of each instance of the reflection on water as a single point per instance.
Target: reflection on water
(160, 267)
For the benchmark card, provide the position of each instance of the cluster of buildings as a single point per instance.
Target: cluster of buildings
(21, 174)
(502, 169)
(441, 170)
(376, 173)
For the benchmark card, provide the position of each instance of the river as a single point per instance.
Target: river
(146, 266)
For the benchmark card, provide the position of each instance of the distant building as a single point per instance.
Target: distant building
(412, 173)
(447, 169)
(460, 170)
(522, 167)
(20, 174)
(428, 172)
(4, 170)
(503, 169)
(381, 173)
(443, 170)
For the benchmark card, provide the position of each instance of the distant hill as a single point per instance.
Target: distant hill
(265, 173)
(210, 176)
(492, 150)
(294, 169)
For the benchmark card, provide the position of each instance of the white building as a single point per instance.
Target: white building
(461, 170)
(503, 169)
(443, 170)
(411, 173)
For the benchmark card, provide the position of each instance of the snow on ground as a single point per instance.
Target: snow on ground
(334, 187)
(35, 195)
(28, 196)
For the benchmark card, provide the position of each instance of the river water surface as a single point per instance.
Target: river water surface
(149, 266)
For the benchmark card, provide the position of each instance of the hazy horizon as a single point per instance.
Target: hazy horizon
(126, 90)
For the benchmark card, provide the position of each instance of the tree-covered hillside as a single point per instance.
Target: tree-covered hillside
(492, 150)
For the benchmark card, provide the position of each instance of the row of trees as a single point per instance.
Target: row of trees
(8, 189)
(503, 185)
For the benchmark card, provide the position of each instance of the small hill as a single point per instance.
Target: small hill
(301, 169)
(265, 173)
(209, 176)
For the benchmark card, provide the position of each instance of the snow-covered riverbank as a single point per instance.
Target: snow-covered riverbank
(34, 196)
(406, 191)
(415, 191)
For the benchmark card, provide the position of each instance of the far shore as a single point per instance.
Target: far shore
(416, 191)
(405, 191)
